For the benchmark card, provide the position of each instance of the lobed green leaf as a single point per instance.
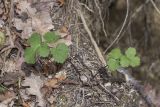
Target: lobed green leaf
(115, 53)
(60, 53)
(124, 61)
(135, 61)
(51, 37)
(29, 55)
(113, 64)
(130, 52)
(35, 39)
(43, 50)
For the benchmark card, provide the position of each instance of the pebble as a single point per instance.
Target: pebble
(83, 78)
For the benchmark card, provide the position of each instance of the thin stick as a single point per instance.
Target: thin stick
(86, 7)
(91, 37)
(154, 5)
(107, 91)
(124, 23)
(100, 15)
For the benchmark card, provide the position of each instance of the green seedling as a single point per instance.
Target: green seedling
(2, 88)
(116, 60)
(40, 48)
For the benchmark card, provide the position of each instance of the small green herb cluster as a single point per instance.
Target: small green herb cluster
(115, 59)
(41, 48)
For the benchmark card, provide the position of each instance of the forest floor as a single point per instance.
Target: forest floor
(89, 29)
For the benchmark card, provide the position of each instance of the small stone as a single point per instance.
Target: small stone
(51, 99)
(107, 84)
(114, 90)
(84, 78)
(1, 23)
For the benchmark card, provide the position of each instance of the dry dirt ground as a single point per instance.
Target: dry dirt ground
(89, 28)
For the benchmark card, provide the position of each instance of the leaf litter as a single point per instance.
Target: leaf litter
(33, 16)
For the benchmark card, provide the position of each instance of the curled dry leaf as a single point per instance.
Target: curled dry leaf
(53, 83)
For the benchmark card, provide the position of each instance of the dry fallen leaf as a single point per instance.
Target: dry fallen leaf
(65, 38)
(52, 83)
(59, 77)
(25, 104)
(26, 27)
(24, 6)
(10, 78)
(62, 2)
(6, 95)
(63, 29)
(42, 22)
(39, 22)
(35, 83)
(63, 32)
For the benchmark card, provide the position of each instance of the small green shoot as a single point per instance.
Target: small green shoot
(40, 48)
(116, 60)
(2, 88)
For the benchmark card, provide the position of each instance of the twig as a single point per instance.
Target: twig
(139, 9)
(124, 23)
(154, 5)
(91, 37)
(107, 91)
(100, 15)
(86, 7)
(133, 16)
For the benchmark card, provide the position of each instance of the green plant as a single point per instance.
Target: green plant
(2, 88)
(39, 46)
(116, 59)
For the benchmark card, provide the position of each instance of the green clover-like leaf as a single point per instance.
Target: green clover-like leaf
(30, 55)
(60, 53)
(124, 61)
(35, 40)
(51, 37)
(135, 61)
(115, 53)
(43, 50)
(113, 64)
(130, 52)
